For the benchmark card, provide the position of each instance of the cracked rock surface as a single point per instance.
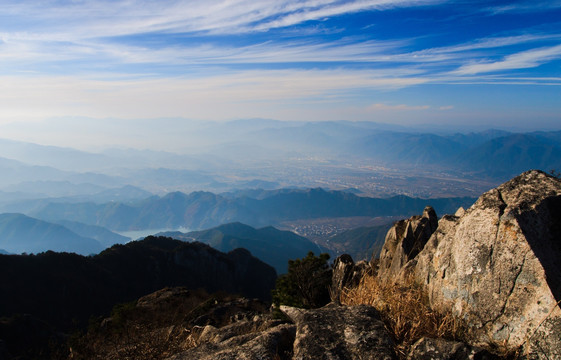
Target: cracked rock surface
(340, 333)
(498, 266)
(404, 241)
(440, 349)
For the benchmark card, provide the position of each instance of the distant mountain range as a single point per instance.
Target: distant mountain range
(66, 192)
(493, 154)
(200, 210)
(264, 153)
(20, 233)
(511, 155)
(273, 246)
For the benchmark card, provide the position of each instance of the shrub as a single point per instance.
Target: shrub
(306, 285)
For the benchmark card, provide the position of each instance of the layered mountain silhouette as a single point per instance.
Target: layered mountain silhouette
(273, 246)
(493, 154)
(20, 233)
(504, 156)
(199, 210)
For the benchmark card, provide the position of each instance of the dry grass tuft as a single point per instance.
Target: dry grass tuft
(404, 310)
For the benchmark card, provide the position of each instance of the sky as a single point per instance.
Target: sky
(494, 64)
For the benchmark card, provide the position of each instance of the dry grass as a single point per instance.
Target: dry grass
(404, 310)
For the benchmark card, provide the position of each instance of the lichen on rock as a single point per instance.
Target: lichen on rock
(495, 265)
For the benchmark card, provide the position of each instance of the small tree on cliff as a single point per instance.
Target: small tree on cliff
(306, 284)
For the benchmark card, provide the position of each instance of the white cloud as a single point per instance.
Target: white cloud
(35, 97)
(102, 18)
(521, 60)
(491, 42)
(334, 8)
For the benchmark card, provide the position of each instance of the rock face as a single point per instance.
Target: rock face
(346, 274)
(440, 349)
(404, 241)
(497, 265)
(329, 333)
(339, 333)
(236, 341)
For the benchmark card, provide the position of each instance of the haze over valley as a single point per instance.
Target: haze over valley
(316, 179)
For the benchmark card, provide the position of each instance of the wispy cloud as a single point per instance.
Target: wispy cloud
(492, 43)
(34, 96)
(521, 60)
(181, 57)
(105, 18)
(524, 6)
(334, 8)
(400, 107)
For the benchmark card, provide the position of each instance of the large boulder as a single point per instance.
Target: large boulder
(340, 333)
(497, 266)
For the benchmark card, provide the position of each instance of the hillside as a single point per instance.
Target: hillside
(506, 156)
(73, 287)
(100, 234)
(363, 243)
(274, 247)
(20, 233)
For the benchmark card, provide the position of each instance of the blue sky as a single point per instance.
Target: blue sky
(450, 63)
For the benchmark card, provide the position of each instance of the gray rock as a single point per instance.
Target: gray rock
(497, 266)
(340, 333)
(440, 349)
(244, 340)
(346, 274)
(404, 241)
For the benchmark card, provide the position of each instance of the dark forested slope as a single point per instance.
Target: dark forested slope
(63, 288)
(273, 246)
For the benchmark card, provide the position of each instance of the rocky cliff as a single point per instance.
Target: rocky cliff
(495, 265)
(404, 241)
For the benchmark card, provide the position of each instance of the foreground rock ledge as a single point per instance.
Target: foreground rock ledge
(340, 332)
(497, 265)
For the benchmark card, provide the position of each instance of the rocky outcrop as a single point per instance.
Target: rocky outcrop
(329, 333)
(496, 265)
(404, 241)
(346, 274)
(340, 332)
(238, 341)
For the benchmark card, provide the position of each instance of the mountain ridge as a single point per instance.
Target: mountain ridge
(199, 210)
(20, 233)
(272, 246)
(72, 286)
